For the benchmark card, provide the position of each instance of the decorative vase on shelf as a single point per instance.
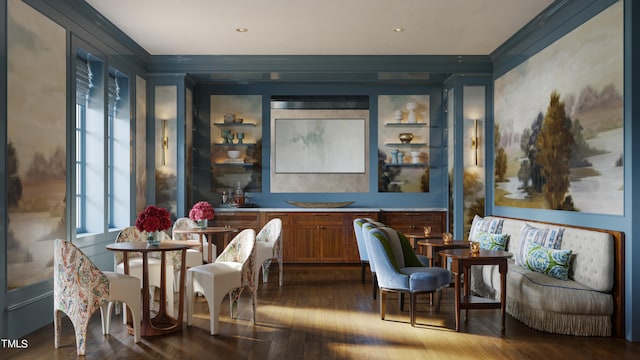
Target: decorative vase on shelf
(411, 106)
(152, 238)
(398, 115)
(394, 156)
(202, 224)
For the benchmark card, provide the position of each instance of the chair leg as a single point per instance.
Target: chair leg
(265, 270)
(412, 308)
(81, 337)
(437, 298)
(280, 265)
(362, 270)
(374, 284)
(56, 328)
(105, 316)
(383, 303)
(234, 296)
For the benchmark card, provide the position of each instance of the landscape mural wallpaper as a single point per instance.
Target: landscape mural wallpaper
(559, 123)
(36, 143)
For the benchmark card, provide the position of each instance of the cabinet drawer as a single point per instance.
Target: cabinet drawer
(240, 219)
(317, 219)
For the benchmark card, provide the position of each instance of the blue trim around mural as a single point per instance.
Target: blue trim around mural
(632, 202)
(555, 21)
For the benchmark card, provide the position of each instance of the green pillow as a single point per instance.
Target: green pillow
(547, 261)
(489, 241)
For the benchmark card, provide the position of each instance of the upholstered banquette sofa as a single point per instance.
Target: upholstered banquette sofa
(584, 297)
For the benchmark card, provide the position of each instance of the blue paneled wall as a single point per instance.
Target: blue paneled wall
(30, 308)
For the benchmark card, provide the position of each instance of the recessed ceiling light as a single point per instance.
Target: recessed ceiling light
(241, 30)
(398, 29)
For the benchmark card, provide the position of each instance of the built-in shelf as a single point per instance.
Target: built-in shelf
(243, 144)
(406, 144)
(406, 124)
(234, 164)
(234, 124)
(410, 165)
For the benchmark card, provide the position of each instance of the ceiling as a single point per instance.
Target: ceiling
(319, 27)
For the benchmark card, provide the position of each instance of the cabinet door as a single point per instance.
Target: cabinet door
(306, 247)
(331, 241)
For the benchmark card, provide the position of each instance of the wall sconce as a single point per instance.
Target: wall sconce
(474, 142)
(165, 142)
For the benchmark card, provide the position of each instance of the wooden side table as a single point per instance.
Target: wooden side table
(431, 247)
(209, 234)
(461, 262)
(414, 238)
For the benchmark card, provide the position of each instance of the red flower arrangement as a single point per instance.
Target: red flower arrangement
(153, 219)
(201, 211)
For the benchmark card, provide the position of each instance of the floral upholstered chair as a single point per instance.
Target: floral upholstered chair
(269, 247)
(80, 288)
(130, 234)
(232, 271)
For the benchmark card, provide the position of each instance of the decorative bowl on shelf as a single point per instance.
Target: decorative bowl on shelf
(238, 121)
(233, 154)
(229, 118)
(405, 138)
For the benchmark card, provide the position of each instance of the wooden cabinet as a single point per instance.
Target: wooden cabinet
(318, 237)
(414, 221)
(327, 237)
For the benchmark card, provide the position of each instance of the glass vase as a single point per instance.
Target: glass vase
(202, 224)
(152, 238)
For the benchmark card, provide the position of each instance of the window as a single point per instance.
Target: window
(102, 189)
(83, 88)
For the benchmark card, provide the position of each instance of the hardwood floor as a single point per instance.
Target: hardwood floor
(324, 312)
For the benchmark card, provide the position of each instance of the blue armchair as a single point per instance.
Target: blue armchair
(361, 228)
(398, 271)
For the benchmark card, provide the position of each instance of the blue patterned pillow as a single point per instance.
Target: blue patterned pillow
(548, 238)
(491, 225)
(547, 261)
(490, 241)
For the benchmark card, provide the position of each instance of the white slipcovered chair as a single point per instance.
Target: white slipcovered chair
(269, 247)
(132, 233)
(80, 288)
(232, 271)
(195, 257)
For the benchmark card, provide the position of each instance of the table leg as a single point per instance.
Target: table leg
(467, 288)
(456, 275)
(183, 271)
(163, 290)
(503, 290)
(146, 317)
